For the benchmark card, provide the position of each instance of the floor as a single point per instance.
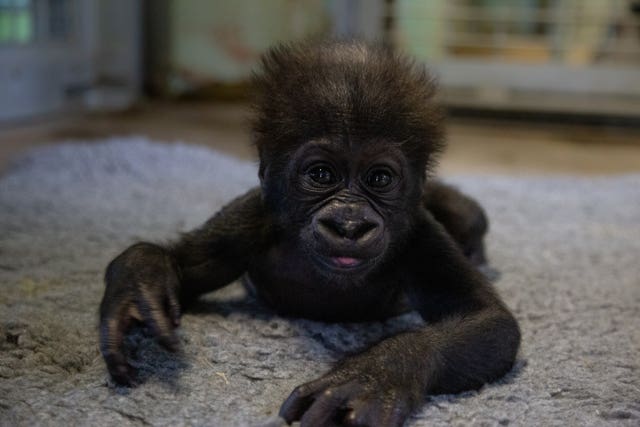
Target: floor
(479, 146)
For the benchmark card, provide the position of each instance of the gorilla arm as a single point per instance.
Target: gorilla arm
(152, 283)
(470, 339)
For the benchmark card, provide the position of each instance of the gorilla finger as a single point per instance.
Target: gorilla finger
(295, 405)
(171, 286)
(173, 307)
(300, 399)
(156, 318)
(112, 332)
(326, 409)
(376, 413)
(358, 414)
(396, 415)
(120, 370)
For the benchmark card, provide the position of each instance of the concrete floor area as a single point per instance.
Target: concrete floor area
(475, 145)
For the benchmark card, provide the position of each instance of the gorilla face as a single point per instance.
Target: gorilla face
(348, 202)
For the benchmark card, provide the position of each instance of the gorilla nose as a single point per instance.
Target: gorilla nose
(357, 230)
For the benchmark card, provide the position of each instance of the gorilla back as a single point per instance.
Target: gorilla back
(347, 225)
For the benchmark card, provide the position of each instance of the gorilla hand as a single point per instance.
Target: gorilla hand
(372, 389)
(141, 285)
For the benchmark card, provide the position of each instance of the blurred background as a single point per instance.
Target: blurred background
(531, 86)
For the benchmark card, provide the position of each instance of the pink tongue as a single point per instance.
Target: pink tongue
(346, 261)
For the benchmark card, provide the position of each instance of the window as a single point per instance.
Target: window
(16, 21)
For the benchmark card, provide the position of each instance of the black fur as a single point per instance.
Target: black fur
(347, 225)
(341, 90)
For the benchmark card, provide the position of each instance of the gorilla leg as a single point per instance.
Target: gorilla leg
(462, 217)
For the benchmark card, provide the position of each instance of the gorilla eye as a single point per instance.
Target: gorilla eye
(322, 175)
(379, 179)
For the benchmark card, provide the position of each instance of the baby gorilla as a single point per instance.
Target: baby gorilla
(347, 225)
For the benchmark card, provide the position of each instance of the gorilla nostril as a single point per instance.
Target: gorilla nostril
(366, 227)
(332, 226)
(350, 229)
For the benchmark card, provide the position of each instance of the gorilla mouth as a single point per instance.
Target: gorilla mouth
(343, 264)
(346, 262)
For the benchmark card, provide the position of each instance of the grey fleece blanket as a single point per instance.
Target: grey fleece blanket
(568, 250)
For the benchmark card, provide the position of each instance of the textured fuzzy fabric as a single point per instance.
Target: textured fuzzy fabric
(567, 249)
